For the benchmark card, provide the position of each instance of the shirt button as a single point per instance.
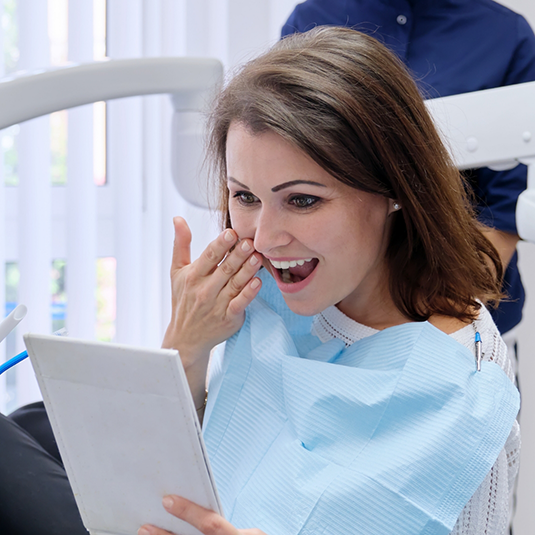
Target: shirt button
(402, 19)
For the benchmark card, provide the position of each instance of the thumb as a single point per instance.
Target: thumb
(182, 243)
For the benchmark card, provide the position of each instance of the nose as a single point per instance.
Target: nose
(272, 231)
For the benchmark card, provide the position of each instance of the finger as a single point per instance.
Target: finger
(215, 252)
(232, 264)
(244, 275)
(206, 521)
(238, 305)
(147, 529)
(181, 245)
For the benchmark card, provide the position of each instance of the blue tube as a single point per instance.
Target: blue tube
(12, 361)
(21, 356)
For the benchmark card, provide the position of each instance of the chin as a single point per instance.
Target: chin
(303, 308)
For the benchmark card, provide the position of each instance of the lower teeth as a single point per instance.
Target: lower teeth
(286, 276)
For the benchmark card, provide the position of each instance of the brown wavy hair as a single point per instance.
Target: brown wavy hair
(347, 102)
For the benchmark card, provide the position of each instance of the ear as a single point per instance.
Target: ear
(394, 206)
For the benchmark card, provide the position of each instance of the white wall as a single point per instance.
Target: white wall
(524, 7)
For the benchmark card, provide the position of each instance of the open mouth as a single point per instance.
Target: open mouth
(294, 271)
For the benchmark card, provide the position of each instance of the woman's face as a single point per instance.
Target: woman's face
(323, 242)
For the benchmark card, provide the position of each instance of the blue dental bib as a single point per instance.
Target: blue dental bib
(392, 435)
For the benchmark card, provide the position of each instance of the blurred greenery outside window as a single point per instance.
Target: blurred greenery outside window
(105, 298)
(105, 295)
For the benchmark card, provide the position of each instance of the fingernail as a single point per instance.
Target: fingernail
(254, 260)
(143, 531)
(168, 502)
(255, 283)
(229, 236)
(245, 246)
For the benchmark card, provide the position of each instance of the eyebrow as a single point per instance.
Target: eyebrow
(281, 186)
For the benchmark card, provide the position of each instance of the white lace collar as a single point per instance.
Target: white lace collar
(333, 323)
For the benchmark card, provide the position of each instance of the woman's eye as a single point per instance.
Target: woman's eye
(304, 201)
(245, 197)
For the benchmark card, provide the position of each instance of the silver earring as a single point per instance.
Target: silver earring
(396, 206)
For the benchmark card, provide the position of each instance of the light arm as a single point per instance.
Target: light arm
(494, 128)
(189, 81)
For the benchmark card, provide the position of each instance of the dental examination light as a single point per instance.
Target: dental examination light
(189, 81)
(493, 128)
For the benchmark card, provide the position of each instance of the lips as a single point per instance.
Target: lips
(293, 271)
(293, 275)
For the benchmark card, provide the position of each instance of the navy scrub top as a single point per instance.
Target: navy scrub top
(451, 47)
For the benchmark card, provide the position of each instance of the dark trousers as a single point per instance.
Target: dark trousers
(35, 494)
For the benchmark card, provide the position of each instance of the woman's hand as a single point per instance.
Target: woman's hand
(210, 296)
(206, 521)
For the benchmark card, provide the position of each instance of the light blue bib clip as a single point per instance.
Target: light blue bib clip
(392, 435)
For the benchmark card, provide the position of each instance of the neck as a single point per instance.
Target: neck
(379, 313)
(384, 314)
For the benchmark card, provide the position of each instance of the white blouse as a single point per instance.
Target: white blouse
(488, 512)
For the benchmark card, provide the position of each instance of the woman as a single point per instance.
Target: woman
(346, 398)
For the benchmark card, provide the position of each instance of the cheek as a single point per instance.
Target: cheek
(362, 234)
(242, 223)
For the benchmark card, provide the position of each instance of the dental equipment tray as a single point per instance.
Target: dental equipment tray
(127, 431)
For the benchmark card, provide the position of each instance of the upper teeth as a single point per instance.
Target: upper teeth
(288, 264)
